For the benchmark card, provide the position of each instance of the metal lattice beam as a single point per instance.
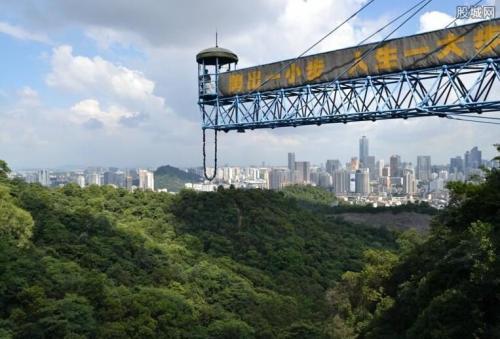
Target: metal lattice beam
(450, 89)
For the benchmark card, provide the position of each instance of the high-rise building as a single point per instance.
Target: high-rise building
(395, 163)
(424, 167)
(43, 177)
(409, 184)
(379, 166)
(333, 165)
(291, 167)
(341, 182)
(324, 180)
(291, 161)
(278, 178)
(362, 178)
(456, 165)
(80, 181)
(363, 151)
(386, 171)
(352, 181)
(314, 178)
(94, 179)
(109, 178)
(370, 164)
(385, 183)
(472, 159)
(302, 172)
(120, 179)
(146, 180)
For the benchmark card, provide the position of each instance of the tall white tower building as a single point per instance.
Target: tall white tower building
(146, 180)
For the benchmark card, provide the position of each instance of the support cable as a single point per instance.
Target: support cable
(475, 117)
(314, 45)
(451, 117)
(451, 23)
(363, 55)
(390, 23)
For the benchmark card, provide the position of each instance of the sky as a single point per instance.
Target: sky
(114, 83)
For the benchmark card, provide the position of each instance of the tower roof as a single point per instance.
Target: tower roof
(209, 56)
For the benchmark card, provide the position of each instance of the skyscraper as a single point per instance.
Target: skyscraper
(109, 178)
(43, 177)
(80, 181)
(409, 185)
(146, 180)
(370, 164)
(378, 168)
(278, 178)
(94, 179)
(395, 163)
(472, 159)
(456, 165)
(363, 151)
(341, 182)
(291, 167)
(303, 172)
(424, 167)
(332, 166)
(386, 171)
(352, 181)
(362, 178)
(325, 179)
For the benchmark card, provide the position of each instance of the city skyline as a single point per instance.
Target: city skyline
(278, 163)
(371, 181)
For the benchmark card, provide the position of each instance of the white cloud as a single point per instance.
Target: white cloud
(97, 76)
(28, 97)
(114, 99)
(434, 20)
(88, 112)
(22, 34)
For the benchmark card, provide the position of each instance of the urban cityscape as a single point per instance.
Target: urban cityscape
(363, 179)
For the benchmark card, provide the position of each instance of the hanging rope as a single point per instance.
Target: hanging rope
(214, 174)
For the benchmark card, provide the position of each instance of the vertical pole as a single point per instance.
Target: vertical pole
(217, 90)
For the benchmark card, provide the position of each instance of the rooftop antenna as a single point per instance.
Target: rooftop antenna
(216, 38)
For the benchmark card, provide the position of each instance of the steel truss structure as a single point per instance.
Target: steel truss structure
(448, 90)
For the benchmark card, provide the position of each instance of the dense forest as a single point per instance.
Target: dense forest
(102, 262)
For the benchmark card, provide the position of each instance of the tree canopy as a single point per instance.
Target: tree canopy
(102, 262)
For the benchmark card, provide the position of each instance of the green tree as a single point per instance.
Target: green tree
(4, 169)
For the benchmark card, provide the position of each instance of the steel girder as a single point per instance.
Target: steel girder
(447, 90)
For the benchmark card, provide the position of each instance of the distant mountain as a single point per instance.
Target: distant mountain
(173, 179)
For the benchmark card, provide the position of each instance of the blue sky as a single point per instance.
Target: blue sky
(114, 82)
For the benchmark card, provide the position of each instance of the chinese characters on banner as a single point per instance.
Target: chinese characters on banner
(446, 46)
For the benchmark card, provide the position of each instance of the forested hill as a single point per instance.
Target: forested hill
(445, 286)
(173, 179)
(102, 262)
